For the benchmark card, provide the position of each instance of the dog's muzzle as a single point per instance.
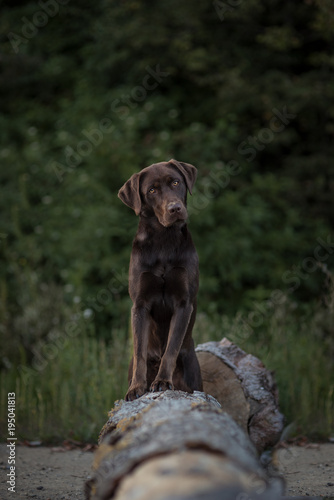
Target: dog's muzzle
(174, 211)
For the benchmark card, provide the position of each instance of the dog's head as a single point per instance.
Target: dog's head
(160, 190)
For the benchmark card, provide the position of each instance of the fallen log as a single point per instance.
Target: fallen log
(175, 445)
(245, 389)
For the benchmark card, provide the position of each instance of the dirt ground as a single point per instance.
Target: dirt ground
(45, 474)
(49, 473)
(308, 470)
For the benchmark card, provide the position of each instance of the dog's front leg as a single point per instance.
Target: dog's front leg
(140, 322)
(177, 330)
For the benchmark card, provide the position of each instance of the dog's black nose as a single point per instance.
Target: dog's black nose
(174, 207)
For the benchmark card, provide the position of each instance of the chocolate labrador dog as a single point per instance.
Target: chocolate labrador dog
(163, 281)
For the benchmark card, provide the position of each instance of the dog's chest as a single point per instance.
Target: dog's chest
(161, 282)
(163, 288)
(163, 267)
(165, 262)
(160, 255)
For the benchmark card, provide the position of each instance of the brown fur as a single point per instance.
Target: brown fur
(163, 281)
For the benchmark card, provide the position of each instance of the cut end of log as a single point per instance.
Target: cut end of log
(221, 382)
(245, 389)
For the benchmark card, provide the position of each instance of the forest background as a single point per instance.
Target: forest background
(92, 92)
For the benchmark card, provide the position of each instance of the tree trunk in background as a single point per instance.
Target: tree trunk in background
(173, 445)
(245, 389)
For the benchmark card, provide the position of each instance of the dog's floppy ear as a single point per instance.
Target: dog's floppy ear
(188, 171)
(130, 195)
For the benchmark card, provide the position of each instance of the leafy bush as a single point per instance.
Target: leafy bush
(104, 90)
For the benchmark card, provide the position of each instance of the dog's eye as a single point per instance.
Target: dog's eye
(152, 190)
(175, 183)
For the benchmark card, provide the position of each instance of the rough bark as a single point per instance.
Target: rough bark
(175, 445)
(245, 389)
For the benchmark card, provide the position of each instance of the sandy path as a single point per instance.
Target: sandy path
(44, 474)
(308, 470)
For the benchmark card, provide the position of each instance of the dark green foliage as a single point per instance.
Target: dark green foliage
(243, 90)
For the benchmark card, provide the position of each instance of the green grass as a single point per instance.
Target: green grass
(299, 347)
(71, 396)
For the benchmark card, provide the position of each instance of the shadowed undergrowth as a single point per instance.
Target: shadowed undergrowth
(73, 392)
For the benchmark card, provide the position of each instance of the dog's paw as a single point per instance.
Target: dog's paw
(135, 392)
(161, 385)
